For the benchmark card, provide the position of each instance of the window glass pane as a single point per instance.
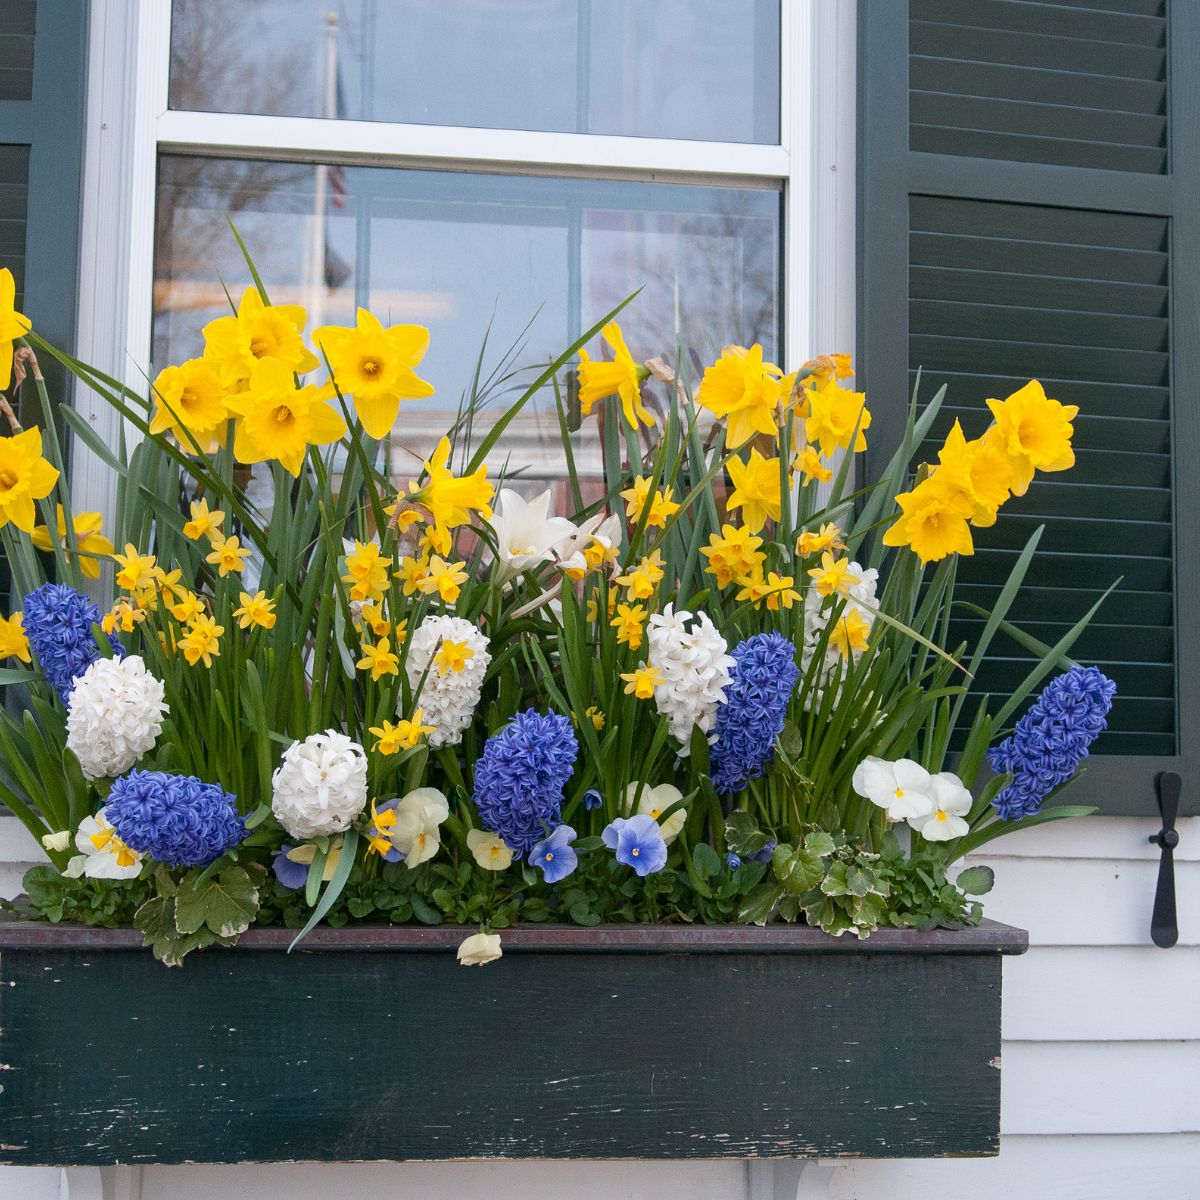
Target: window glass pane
(539, 259)
(706, 69)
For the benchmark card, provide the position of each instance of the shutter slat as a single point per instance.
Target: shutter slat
(1034, 257)
(1114, 400)
(1134, 28)
(1028, 291)
(982, 143)
(1032, 324)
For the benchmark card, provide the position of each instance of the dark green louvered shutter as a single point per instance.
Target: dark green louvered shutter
(1030, 207)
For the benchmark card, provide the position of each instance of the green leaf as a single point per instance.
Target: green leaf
(706, 860)
(742, 834)
(756, 908)
(820, 843)
(225, 904)
(976, 881)
(798, 870)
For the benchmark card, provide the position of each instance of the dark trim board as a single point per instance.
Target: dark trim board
(637, 1042)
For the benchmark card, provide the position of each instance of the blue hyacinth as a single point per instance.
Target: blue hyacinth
(1051, 739)
(520, 777)
(176, 819)
(755, 707)
(58, 622)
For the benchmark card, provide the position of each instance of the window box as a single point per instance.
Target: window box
(612, 1042)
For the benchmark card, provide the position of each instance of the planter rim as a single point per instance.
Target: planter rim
(990, 937)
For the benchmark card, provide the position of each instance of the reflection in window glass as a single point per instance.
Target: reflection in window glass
(706, 69)
(538, 259)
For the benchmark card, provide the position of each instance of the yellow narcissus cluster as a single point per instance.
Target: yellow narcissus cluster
(972, 479)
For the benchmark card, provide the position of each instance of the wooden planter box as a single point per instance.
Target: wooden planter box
(613, 1042)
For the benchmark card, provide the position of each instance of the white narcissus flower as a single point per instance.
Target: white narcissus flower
(693, 669)
(904, 788)
(479, 948)
(952, 802)
(320, 785)
(489, 850)
(114, 716)
(817, 613)
(653, 802)
(594, 543)
(415, 832)
(450, 691)
(526, 534)
(102, 854)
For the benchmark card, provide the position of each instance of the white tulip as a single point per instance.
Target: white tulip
(904, 788)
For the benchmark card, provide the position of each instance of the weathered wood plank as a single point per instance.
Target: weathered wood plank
(257, 1056)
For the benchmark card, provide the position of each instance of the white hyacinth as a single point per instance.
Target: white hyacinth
(817, 612)
(447, 697)
(320, 785)
(693, 671)
(114, 715)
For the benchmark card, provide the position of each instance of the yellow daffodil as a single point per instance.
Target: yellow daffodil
(137, 570)
(755, 489)
(829, 366)
(371, 615)
(621, 377)
(827, 537)
(12, 326)
(257, 611)
(189, 404)
(489, 850)
(13, 641)
(228, 556)
(400, 632)
(833, 576)
(403, 735)
(644, 578)
(205, 522)
(91, 543)
(836, 417)
(745, 392)
(279, 420)
(366, 572)
(259, 332)
(379, 659)
(121, 618)
(378, 838)
(776, 590)
(628, 623)
(187, 608)
(1035, 432)
(444, 579)
(642, 682)
(595, 716)
(201, 643)
(452, 656)
(808, 462)
(376, 366)
(448, 499)
(661, 503)
(25, 476)
(850, 633)
(933, 522)
(732, 554)
(981, 470)
(412, 573)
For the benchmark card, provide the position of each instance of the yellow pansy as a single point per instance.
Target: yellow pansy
(228, 556)
(1035, 432)
(189, 404)
(621, 377)
(755, 489)
(13, 641)
(744, 391)
(376, 366)
(91, 543)
(379, 659)
(234, 345)
(205, 522)
(255, 611)
(12, 326)
(279, 420)
(25, 476)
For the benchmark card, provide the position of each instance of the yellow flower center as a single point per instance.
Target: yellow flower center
(370, 367)
(899, 793)
(549, 856)
(284, 415)
(260, 346)
(941, 815)
(635, 852)
(8, 480)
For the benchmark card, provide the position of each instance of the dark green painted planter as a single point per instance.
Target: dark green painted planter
(614, 1042)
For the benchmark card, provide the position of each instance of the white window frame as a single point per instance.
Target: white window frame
(129, 124)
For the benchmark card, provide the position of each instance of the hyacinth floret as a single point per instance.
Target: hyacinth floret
(1051, 739)
(520, 777)
(114, 715)
(58, 622)
(693, 669)
(762, 679)
(447, 698)
(175, 819)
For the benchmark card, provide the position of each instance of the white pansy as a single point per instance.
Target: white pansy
(526, 534)
(320, 785)
(952, 802)
(653, 802)
(415, 832)
(903, 787)
(479, 948)
(489, 850)
(114, 716)
(102, 855)
(693, 669)
(447, 698)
